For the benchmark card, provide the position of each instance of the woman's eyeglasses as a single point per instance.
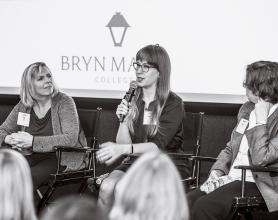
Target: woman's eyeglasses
(145, 67)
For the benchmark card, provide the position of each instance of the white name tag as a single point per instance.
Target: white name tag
(23, 119)
(148, 120)
(242, 125)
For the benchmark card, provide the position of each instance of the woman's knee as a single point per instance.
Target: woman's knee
(199, 208)
(193, 196)
(108, 185)
(201, 203)
(208, 207)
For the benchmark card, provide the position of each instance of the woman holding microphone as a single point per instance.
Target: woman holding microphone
(152, 121)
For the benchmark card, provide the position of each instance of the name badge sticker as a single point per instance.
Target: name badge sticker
(242, 125)
(23, 119)
(148, 119)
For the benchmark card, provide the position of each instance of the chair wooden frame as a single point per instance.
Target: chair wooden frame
(244, 205)
(198, 160)
(61, 178)
(192, 181)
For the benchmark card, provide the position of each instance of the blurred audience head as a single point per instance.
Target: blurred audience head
(16, 189)
(36, 81)
(261, 81)
(150, 190)
(74, 207)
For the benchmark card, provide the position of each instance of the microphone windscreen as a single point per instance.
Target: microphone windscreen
(129, 95)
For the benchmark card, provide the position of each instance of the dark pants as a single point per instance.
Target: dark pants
(217, 204)
(42, 165)
(181, 164)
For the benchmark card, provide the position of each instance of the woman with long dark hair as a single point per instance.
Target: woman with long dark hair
(153, 119)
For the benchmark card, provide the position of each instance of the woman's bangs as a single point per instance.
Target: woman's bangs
(146, 55)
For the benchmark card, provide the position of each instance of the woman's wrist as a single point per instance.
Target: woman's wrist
(217, 173)
(128, 149)
(5, 139)
(32, 142)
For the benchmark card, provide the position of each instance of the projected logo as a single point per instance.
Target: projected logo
(106, 71)
(118, 27)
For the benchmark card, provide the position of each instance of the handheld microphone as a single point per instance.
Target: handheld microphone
(129, 95)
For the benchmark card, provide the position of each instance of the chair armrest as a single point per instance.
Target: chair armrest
(61, 149)
(253, 168)
(258, 168)
(74, 149)
(201, 158)
(179, 155)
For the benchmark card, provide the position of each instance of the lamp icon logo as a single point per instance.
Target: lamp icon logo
(118, 27)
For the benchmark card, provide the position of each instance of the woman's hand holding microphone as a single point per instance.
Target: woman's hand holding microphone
(109, 152)
(123, 110)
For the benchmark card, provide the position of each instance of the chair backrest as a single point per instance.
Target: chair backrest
(216, 133)
(192, 132)
(89, 121)
(192, 128)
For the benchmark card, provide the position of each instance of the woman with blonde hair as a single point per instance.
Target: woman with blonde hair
(152, 121)
(150, 190)
(16, 188)
(43, 118)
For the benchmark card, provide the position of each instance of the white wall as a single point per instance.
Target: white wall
(209, 42)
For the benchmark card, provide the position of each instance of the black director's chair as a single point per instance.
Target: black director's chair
(89, 121)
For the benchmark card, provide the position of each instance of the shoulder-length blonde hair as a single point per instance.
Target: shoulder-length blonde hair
(158, 57)
(27, 93)
(16, 188)
(151, 189)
